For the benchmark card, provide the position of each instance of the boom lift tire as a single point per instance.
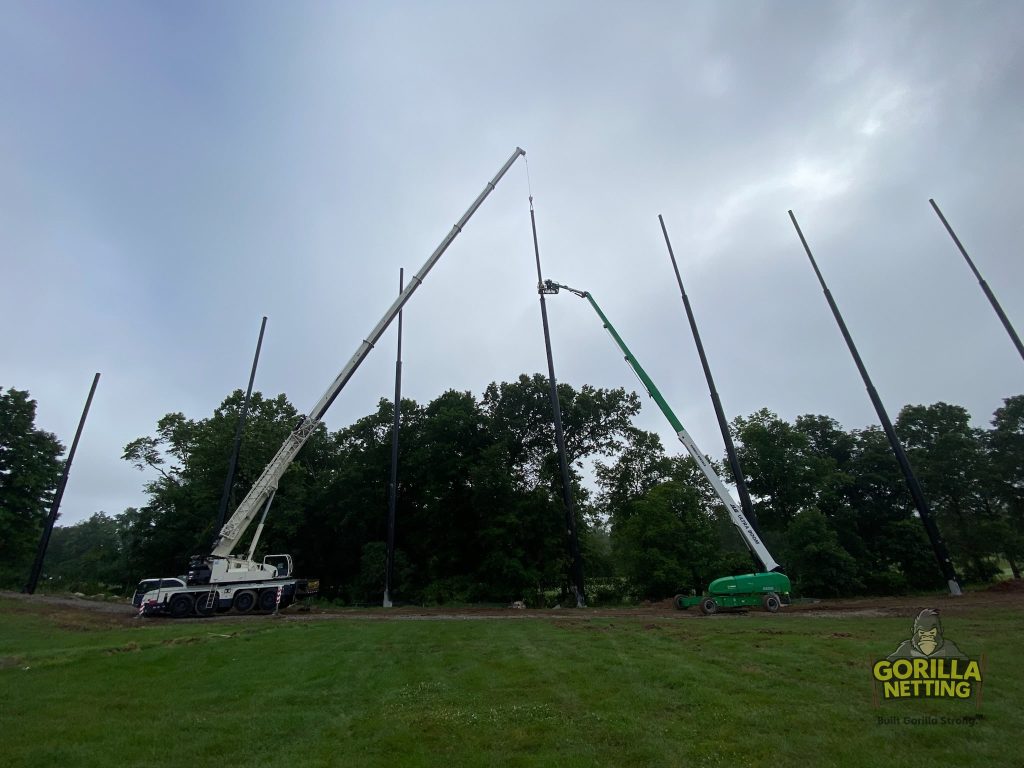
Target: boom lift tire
(244, 601)
(771, 602)
(679, 601)
(708, 606)
(180, 606)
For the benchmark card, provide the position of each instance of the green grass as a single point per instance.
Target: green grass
(751, 690)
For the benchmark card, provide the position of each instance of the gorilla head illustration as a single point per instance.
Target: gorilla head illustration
(927, 640)
(927, 637)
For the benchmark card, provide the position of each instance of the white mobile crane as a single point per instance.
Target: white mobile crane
(222, 580)
(768, 588)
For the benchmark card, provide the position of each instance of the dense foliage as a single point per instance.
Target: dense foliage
(30, 468)
(479, 507)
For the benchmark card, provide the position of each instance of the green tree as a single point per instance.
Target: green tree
(950, 462)
(479, 512)
(641, 465)
(878, 525)
(595, 421)
(1005, 447)
(648, 540)
(88, 556)
(190, 459)
(677, 536)
(349, 508)
(828, 452)
(30, 468)
(817, 563)
(852, 479)
(784, 473)
(669, 531)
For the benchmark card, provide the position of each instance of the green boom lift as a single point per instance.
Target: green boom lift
(768, 588)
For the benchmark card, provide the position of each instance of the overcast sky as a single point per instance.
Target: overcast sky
(171, 172)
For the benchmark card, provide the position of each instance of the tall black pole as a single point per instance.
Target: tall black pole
(44, 540)
(938, 545)
(389, 567)
(570, 515)
(981, 281)
(730, 449)
(229, 481)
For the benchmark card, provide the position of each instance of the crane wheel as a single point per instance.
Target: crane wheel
(244, 601)
(268, 599)
(679, 601)
(202, 600)
(771, 602)
(180, 606)
(708, 606)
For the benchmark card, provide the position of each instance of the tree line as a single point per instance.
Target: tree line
(479, 510)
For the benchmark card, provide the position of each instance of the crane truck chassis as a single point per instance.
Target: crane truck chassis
(769, 589)
(222, 581)
(200, 597)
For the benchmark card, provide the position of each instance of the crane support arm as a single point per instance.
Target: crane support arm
(747, 532)
(266, 485)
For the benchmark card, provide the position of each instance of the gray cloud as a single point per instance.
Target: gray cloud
(172, 175)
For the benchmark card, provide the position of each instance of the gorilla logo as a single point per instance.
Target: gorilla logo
(927, 640)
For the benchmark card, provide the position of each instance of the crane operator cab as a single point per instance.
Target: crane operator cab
(199, 571)
(281, 563)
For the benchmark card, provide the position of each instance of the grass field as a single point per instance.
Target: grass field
(85, 689)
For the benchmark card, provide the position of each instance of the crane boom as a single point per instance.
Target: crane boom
(263, 489)
(747, 532)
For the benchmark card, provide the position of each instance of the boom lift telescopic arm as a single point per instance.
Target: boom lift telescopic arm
(262, 491)
(747, 532)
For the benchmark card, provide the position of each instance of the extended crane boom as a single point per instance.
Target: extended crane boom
(747, 532)
(263, 489)
(224, 581)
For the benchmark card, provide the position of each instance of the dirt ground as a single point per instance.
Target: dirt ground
(1005, 595)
